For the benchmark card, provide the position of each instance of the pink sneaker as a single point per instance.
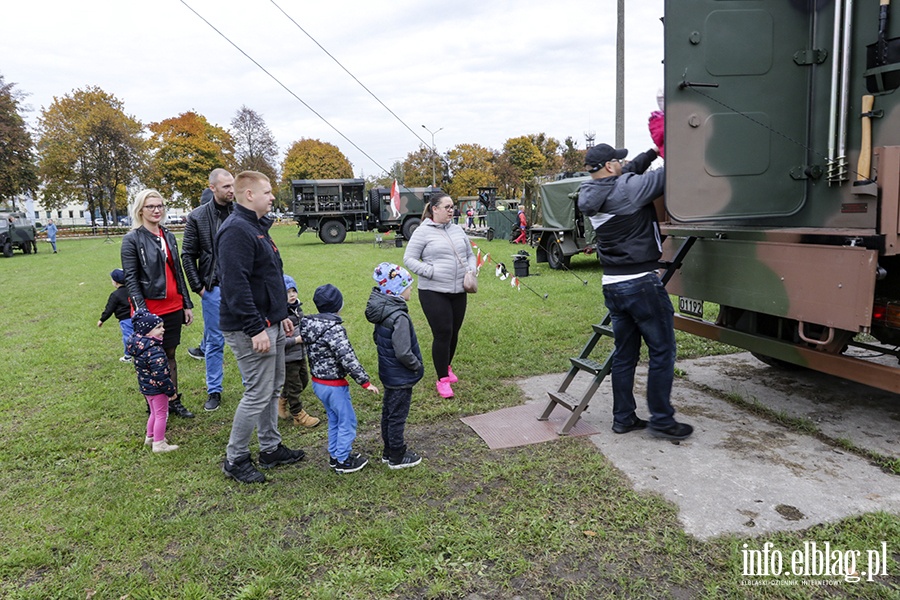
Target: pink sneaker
(451, 376)
(443, 387)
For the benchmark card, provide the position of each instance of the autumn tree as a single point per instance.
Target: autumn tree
(550, 149)
(519, 162)
(254, 145)
(89, 149)
(471, 167)
(184, 150)
(314, 159)
(417, 168)
(18, 171)
(572, 157)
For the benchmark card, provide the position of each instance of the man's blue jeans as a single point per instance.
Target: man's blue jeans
(214, 340)
(640, 308)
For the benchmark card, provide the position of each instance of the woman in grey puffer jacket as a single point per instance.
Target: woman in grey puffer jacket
(440, 253)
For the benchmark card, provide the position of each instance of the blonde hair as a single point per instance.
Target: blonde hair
(245, 181)
(137, 220)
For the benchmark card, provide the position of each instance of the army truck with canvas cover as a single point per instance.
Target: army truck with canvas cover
(564, 231)
(783, 165)
(17, 232)
(332, 207)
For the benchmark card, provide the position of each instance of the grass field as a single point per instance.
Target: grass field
(86, 511)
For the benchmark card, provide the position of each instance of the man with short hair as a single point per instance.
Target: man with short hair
(618, 199)
(254, 319)
(198, 255)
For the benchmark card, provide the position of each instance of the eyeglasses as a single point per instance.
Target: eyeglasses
(445, 207)
(155, 207)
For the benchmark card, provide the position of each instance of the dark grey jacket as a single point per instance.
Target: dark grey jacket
(198, 253)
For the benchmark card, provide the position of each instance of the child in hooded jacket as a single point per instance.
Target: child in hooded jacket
(296, 372)
(331, 359)
(399, 358)
(118, 304)
(152, 367)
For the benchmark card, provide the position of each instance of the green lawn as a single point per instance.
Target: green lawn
(86, 511)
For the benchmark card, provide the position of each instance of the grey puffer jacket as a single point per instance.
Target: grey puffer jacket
(331, 357)
(429, 254)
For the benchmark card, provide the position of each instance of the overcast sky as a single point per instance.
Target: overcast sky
(481, 71)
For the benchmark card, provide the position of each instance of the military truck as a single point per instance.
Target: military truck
(332, 207)
(783, 169)
(564, 231)
(17, 232)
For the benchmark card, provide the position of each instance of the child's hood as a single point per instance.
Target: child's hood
(381, 307)
(313, 327)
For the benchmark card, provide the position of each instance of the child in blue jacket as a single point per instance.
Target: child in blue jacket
(399, 358)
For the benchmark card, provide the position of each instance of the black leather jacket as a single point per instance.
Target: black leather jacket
(198, 251)
(144, 264)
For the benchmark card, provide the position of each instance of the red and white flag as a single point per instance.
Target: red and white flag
(395, 200)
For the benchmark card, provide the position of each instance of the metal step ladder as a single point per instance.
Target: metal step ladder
(582, 362)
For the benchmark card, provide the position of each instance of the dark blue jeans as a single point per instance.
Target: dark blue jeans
(394, 412)
(640, 308)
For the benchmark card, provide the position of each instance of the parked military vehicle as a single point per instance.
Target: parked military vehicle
(17, 232)
(783, 170)
(564, 231)
(332, 207)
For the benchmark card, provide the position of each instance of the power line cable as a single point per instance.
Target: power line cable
(286, 88)
(371, 93)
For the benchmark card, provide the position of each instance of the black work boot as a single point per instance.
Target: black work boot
(178, 409)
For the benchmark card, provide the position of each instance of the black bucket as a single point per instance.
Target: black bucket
(883, 72)
(521, 264)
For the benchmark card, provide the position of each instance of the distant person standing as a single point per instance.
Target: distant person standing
(154, 278)
(198, 255)
(523, 226)
(254, 319)
(51, 234)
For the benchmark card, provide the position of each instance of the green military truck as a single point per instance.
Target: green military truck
(564, 231)
(17, 232)
(783, 165)
(332, 207)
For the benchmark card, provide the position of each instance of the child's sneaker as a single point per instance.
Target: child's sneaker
(451, 375)
(410, 459)
(164, 446)
(443, 387)
(354, 463)
(148, 440)
(125, 358)
(281, 455)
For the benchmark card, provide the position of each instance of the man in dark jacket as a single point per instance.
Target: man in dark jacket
(619, 202)
(198, 255)
(254, 319)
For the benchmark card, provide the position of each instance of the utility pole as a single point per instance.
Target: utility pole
(620, 75)
(433, 152)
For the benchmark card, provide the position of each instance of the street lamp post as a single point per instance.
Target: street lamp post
(433, 151)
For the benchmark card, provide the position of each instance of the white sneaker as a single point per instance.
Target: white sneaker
(164, 446)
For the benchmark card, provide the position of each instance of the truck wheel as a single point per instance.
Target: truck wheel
(556, 257)
(490, 234)
(409, 226)
(333, 232)
(7, 249)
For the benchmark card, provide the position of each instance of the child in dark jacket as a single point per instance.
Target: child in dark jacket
(118, 304)
(331, 359)
(296, 373)
(152, 367)
(399, 358)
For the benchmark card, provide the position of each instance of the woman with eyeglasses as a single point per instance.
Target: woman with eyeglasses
(154, 277)
(439, 252)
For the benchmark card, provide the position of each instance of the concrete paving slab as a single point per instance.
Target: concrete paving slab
(740, 473)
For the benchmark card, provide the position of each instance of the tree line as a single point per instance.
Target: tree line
(86, 148)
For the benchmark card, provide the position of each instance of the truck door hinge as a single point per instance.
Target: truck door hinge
(811, 56)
